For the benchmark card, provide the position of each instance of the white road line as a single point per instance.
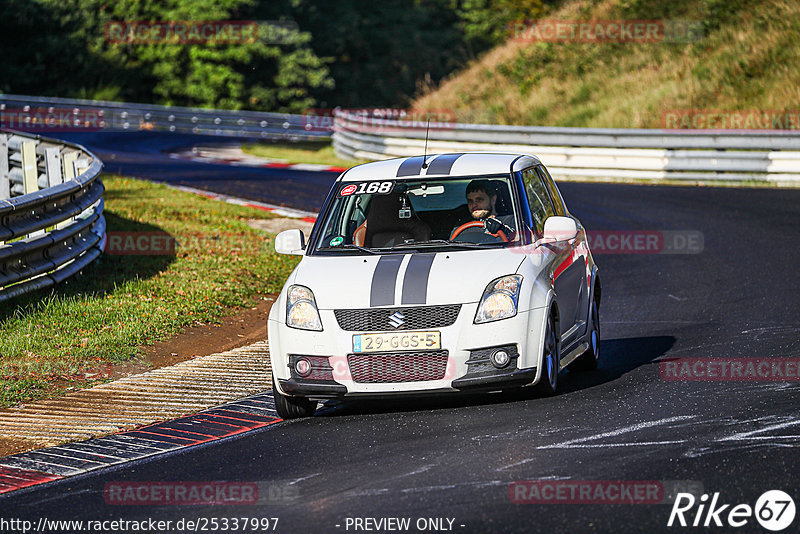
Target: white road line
(623, 430)
(295, 481)
(765, 437)
(603, 445)
(747, 435)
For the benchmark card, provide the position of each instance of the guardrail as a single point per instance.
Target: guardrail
(22, 112)
(51, 212)
(588, 152)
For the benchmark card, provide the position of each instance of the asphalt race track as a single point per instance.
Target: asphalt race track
(146, 155)
(455, 458)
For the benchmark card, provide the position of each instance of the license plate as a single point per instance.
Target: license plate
(399, 341)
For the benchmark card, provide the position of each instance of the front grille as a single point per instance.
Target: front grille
(481, 367)
(384, 319)
(398, 366)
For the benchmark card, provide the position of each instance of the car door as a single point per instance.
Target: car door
(571, 274)
(568, 274)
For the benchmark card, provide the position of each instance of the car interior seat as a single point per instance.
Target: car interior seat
(385, 228)
(360, 235)
(503, 204)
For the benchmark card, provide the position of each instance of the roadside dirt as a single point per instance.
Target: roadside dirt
(243, 327)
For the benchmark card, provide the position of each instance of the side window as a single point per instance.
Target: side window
(538, 200)
(553, 190)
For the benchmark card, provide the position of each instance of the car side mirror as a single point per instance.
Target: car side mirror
(290, 242)
(557, 228)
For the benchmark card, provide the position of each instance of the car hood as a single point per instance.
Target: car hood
(404, 279)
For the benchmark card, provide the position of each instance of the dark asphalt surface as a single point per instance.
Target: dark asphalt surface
(455, 457)
(146, 155)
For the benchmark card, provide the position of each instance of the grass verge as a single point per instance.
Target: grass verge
(125, 301)
(739, 61)
(301, 152)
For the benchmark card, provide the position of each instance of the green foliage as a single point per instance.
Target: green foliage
(381, 51)
(487, 23)
(349, 53)
(65, 51)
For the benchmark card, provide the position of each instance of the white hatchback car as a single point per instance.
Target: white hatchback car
(445, 273)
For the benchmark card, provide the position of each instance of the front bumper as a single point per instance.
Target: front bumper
(505, 378)
(466, 344)
(502, 379)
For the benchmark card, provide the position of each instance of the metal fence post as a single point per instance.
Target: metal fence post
(52, 165)
(5, 179)
(30, 172)
(68, 162)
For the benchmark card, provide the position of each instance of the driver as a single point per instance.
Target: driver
(482, 206)
(481, 199)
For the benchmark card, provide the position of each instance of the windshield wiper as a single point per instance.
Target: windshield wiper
(438, 243)
(351, 246)
(419, 244)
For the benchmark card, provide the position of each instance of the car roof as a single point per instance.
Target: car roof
(452, 164)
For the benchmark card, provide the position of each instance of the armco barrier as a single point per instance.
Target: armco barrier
(51, 212)
(588, 152)
(49, 114)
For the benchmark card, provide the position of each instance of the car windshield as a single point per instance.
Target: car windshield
(368, 217)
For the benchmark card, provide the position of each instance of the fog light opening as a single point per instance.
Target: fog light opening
(500, 359)
(303, 367)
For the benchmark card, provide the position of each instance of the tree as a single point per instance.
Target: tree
(265, 73)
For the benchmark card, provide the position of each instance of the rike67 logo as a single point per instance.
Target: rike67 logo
(774, 510)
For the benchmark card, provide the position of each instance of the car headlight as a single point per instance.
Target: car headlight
(301, 309)
(499, 300)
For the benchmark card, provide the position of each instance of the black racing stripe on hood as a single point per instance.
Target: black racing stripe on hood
(410, 167)
(443, 164)
(384, 279)
(415, 281)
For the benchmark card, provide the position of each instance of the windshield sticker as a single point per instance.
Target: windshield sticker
(348, 190)
(336, 241)
(372, 188)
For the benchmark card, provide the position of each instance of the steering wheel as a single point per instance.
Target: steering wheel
(477, 224)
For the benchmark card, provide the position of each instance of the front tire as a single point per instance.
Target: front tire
(292, 407)
(548, 381)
